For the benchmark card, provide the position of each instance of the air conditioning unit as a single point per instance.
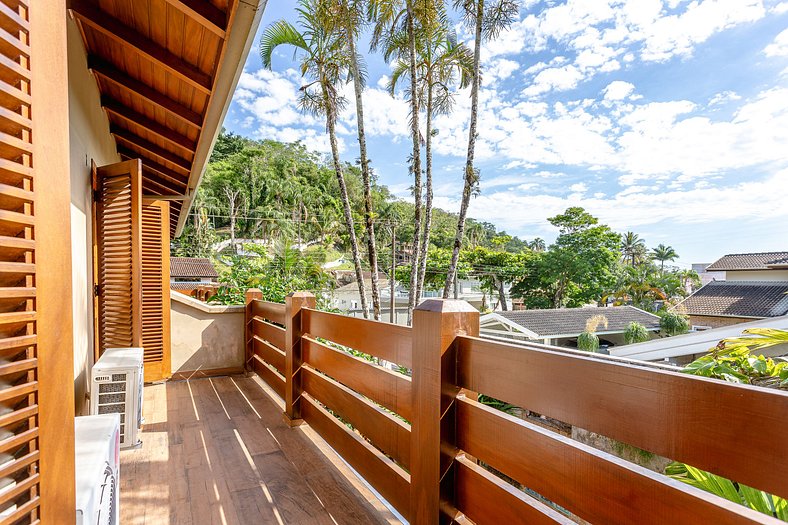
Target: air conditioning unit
(117, 389)
(97, 461)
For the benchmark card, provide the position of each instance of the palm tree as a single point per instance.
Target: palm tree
(488, 21)
(537, 245)
(442, 62)
(349, 17)
(664, 253)
(324, 60)
(631, 246)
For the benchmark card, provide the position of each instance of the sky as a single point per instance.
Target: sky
(667, 118)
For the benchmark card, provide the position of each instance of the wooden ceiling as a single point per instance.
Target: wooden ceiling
(156, 62)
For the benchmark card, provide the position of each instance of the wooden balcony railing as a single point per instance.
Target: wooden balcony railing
(436, 454)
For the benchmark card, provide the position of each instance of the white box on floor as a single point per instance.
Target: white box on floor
(97, 462)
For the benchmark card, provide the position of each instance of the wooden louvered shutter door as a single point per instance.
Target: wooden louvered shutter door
(156, 289)
(118, 245)
(19, 420)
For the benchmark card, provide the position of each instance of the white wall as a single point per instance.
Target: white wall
(757, 275)
(89, 138)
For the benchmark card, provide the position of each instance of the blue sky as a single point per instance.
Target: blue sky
(668, 118)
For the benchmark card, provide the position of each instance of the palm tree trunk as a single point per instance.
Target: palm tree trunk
(501, 295)
(330, 118)
(414, 129)
(362, 145)
(425, 237)
(470, 172)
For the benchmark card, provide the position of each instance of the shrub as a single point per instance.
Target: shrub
(588, 341)
(635, 333)
(674, 323)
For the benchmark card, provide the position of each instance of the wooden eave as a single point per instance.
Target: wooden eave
(157, 64)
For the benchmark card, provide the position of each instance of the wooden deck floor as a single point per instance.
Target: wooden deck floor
(217, 451)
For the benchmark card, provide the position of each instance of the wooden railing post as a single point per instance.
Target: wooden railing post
(251, 295)
(436, 324)
(293, 305)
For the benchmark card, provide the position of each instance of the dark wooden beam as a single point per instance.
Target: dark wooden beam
(208, 15)
(106, 70)
(98, 20)
(161, 197)
(165, 173)
(150, 178)
(128, 137)
(129, 115)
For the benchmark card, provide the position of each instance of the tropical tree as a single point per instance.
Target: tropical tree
(393, 20)
(442, 62)
(350, 17)
(324, 61)
(487, 20)
(663, 253)
(632, 247)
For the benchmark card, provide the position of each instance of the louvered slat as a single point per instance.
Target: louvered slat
(118, 249)
(155, 289)
(19, 456)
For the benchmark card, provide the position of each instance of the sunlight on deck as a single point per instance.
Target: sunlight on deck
(217, 451)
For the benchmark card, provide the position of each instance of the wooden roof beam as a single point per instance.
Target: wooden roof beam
(128, 137)
(150, 183)
(165, 173)
(204, 12)
(98, 20)
(126, 113)
(106, 70)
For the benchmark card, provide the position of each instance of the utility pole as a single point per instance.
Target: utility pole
(392, 300)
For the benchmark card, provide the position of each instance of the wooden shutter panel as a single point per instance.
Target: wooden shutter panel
(118, 247)
(156, 289)
(19, 455)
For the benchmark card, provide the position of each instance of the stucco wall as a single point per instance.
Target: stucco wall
(205, 337)
(89, 139)
(717, 322)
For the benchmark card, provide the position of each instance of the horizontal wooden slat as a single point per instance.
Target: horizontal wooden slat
(15, 441)
(488, 500)
(269, 353)
(385, 431)
(17, 218)
(272, 311)
(269, 375)
(699, 421)
(18, 464)
(17, 267)
(387, 341)
(14, 367)
(18, 415)
(389, 480)
(571, 474)
(269, 332)
(17, 317)
(11, 292)
(381, 385)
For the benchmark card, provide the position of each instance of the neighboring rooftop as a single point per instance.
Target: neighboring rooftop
(750, 261)
(192, 267)
(566, 322)
(756, 299)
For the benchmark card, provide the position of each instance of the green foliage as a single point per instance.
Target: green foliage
(277, 274)
(636, 333)
(674, 323)
(588, 341)
(732, 360)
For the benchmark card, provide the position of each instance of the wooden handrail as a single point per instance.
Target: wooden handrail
(457, 459)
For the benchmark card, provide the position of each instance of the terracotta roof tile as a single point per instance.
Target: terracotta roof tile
(738, 299)
(572, 321)
(191, 267)
(748, 261)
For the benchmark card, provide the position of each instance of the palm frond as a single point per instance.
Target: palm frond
(278, 34)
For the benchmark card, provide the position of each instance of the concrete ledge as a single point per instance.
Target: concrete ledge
(204, 307)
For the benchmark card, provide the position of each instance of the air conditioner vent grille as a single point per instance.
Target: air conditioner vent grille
(105, 399)
(119, 377)
(106, 388)
(112, 409)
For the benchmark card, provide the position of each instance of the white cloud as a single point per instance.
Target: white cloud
(779, 47)
(559, 78)
(724, 97)
(618, 90)
(780, 8)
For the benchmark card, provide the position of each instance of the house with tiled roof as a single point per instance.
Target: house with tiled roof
(190, 273)
(561, 326)
(755, 287)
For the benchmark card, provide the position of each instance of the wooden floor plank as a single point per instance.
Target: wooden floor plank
(217, 451)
